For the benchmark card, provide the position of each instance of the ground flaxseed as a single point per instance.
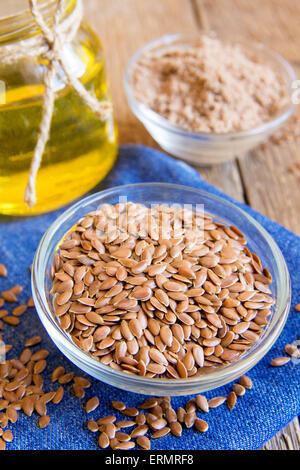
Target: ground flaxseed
(210, 86)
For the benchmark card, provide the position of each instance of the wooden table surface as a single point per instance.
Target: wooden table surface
(262, 178)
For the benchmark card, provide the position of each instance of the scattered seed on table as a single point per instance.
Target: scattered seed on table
(19, 311)
(292, 350)
(161, 433)
(78, 391)
(92, 404)
(44, 421)
(11, 320)
(202, 404)
(176, 428)
(82, 382)
(39, 366)
(280, 361)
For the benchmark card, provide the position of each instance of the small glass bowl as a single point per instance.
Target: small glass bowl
(157, 193)
(206, 148)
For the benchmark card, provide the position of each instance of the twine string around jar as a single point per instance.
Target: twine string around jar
(49, 45)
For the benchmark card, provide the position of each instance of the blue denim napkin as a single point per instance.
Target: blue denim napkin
(260, 413)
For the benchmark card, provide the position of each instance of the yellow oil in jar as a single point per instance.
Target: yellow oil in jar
(81, 149)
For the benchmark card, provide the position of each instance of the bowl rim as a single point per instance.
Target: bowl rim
(143, 111)
(227, 373)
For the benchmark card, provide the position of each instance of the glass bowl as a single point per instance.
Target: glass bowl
(206, 148)
(157, 193)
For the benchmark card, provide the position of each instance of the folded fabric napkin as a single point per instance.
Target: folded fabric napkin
(271, 404)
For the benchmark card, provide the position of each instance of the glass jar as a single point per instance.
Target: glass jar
(81, 149)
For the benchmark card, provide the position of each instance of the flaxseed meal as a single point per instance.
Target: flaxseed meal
(159, 292)
(209, 86)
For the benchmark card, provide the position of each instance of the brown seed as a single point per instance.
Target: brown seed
(139, 431)
(40, 366)
(176, 428)
(3, 270)
(118, 405)
(161, 433)
(125, 445)
(92, 426)
(92, 404)
(58, 396)
(7, 436)
(44, 421)
(202, 404)
(280, 361)
(144, 442)
(2, 444)
(58, 372)
(297, 307)
(103, 440)
(65, 378)
(239, 389)
(216, 401)
(33, 341)
(201, 425)
(246, 382)
(231, 400)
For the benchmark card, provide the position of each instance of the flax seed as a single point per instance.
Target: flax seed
(215, 402)
(246, 382)
(280, 361)
(92, 404)
(144, 442)
(201, 425)
(231, 400)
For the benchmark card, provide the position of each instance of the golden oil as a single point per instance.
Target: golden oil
(81, 149)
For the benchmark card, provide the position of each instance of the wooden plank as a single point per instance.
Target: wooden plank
(268, 184)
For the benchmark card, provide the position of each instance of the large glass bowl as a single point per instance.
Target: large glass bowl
(207, 148)
(150, 193)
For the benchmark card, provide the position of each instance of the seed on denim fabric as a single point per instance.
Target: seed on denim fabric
(3, 270)
(139, 431)
(292, 350)
(106, 419)
(176, 428)
(125, 424)
(201, 425)
(9, 296)
(190, 419)
(158, 424)
(231, 400)
(19, 311)
(44, 421)
(130, 412)
(28, 405)
(12, 321)
(246, 382)
(33, 341)
(202, 404)
(58, 396)
(82, 382)
(123, 436)
(144, 442)
(92, 404)
(48, 397)
(39, 366)
(297, 307)
(40, 355)
(92, 426)
(7, 436)
(239, 389)
(118, 405)
(58, 372)
(12, 414)
(66, 378)
(125, 445)
(280, 361)
(2, 444)
(40, 407)
(216, 401)
(161, 433)
(103, 440)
